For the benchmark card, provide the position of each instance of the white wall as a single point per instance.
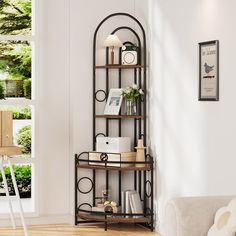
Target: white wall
(52, 109)
(194, 141)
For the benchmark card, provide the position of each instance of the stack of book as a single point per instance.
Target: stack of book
(131, 203)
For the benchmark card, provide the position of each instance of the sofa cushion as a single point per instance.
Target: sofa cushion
(225, 221)
(192, 216)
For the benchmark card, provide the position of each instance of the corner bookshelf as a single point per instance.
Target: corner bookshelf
(142, 176)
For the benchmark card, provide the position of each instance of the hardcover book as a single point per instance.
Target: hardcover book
(135, 204)
(127, 201)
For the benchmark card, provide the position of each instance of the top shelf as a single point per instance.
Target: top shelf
(118, 66)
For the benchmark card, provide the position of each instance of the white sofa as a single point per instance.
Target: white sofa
(192, 216)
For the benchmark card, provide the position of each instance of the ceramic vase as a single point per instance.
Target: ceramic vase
(140, 155)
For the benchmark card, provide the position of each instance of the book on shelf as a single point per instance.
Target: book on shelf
(119, 157)
(127, 202)
(131, 203)
(135, 204)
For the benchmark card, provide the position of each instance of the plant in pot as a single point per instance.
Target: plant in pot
(130, 95)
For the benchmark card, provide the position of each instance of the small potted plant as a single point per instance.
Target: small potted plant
(130, 95)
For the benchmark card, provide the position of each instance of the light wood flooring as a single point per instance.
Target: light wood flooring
(70, 230)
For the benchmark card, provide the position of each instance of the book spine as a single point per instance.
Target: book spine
(132, 207)
(127, 204)
(123, 202)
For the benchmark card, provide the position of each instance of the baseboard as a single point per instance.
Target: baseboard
(39, 220)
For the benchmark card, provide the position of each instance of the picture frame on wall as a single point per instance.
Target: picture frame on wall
(114, 102)
(209, 71)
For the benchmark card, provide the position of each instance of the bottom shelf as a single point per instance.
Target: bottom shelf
(119, 219)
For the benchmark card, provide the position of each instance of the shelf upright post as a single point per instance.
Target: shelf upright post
(144, 191)
(107, 87)
(94, 187)
(145, 89)
(120, 131)
(140, 183)
(140, 106)
(76, 194)
(119, 86)
(152, 196)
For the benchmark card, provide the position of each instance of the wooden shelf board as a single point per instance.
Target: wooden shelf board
(86, 216)
(119, 116)
(130, 168)
(118, 66)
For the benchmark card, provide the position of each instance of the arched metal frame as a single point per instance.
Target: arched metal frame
(142, 178)
(141, 75)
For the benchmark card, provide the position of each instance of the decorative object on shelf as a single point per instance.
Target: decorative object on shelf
(209, 71)
(107, 207)
(140, 156)
(129, 55)
(104, 198)
(113, 144)
(112, 41)
(110, 206)
(130, 107)
(114, 102)
(105, 193)
(130, 94)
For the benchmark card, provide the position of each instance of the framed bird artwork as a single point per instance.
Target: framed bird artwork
(208, 71)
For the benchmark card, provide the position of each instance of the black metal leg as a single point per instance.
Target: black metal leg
(94, 187)
(140, 183)
(107, 180)
(105, 225)
(119, 188)
(76, 176)
(152, 193)
(144, 192)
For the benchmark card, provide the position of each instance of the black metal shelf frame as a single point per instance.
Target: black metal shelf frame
(143, 179)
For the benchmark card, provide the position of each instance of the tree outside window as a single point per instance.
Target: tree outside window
(15, 80)
(15, 56)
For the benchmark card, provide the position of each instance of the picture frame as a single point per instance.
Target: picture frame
(114, 102)
(209, 71)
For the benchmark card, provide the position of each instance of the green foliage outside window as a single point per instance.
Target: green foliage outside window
(2, 90)
(24, 139)
(18, 112)
(15, 17)
(23, 179)
(27, 89)
(22, 113)
(15, 56)
(15, 64)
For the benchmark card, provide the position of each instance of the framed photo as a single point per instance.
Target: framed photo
(114, 102)
(209, 71)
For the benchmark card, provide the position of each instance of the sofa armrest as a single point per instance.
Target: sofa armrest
(192, 216)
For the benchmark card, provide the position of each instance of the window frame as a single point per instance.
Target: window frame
(33, 103)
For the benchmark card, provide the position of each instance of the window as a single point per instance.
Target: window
(17, 77)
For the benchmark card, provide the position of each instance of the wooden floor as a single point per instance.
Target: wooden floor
(70, 230)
